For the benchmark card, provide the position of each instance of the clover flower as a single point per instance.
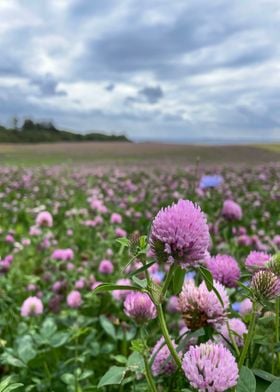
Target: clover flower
(210, 367)
(180, 234)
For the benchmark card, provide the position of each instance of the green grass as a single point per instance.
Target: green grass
(128, 153)
(270, 147)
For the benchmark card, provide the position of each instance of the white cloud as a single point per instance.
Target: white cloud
(214, 65)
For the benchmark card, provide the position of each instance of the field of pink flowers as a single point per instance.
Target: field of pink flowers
(140, 279)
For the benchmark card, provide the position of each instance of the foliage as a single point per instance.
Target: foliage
(40, 132)
(96, 345)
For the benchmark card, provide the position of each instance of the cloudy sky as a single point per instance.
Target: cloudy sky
(153, 69)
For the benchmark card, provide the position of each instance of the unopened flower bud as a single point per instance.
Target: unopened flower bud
(274, 264)
(265, 285)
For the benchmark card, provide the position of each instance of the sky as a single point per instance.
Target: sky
(152, 69)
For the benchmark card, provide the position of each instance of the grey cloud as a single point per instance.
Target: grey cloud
(110, 87)
(81, 9)
(48, 85)
(157, 47)
(211, 36)
(152, 94)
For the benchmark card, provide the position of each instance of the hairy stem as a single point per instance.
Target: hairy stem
(167, 281)
(148, 373)
(249, 337)
(149, 376)
(166, 336)
(277, 319)
(232, 339)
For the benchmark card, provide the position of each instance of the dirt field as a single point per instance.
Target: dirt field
(34, 154)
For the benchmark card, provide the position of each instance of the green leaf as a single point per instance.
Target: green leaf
(247, 381)
(68, 379)
(5, 383)
(59, 339)
(218, 295)
(95, 349)
(107, 348)
(48, 328)
(111, 287)
(119, 358)
(266, 320)
(178, 279)
(274, 387)
(8, 385)
(264, 375)
(135, 362)
(127, 334)
(107, 326)
(262, 385)
(246, 276)
(207, 277)
(140, 282)
(245, 288)
(142, 269)
(12, 387)
(9, 359)
(86, 374)
(114, 375)
(25, 349)
(130, 261)
(262, 340)
(123, 241)
(143, 242)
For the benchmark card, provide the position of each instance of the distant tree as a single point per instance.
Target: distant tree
(28, 125)
(15, 122)
(46, 132)
(47, 125)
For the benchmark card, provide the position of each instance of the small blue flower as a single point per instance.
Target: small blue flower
(210, 181)
(236, 306)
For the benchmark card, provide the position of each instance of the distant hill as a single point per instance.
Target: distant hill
(39, 132)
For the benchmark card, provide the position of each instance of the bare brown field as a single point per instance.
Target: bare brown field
(92, 152)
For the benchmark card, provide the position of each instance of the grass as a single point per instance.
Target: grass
(270, 147)
(145, 153)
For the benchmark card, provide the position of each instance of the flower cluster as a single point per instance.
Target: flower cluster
(210, 367)
(224, 269)
(180, 234)
(201, 307)
(256, 260)
(140, 307)
(231, 210)
(162, 361)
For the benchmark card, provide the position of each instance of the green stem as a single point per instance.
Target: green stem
(149, 376)
(48, 373)
(232, 340)
(167, 281)
(248, 337)
(148, 373)
(277, 322)
(147, 275)
(167, 338)
(76, 365)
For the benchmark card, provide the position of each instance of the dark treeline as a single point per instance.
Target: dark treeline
(46, 132)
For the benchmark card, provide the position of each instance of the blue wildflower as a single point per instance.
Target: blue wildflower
(211, 181)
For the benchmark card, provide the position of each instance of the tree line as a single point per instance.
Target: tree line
(46, 132)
